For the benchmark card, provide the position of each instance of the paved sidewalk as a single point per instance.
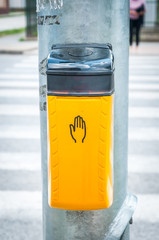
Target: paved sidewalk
(11, 44)
(15, 22)
(146, 48)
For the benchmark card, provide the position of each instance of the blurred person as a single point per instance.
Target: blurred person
(137, 11)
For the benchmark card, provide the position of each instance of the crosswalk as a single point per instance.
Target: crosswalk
(20, 161)
(144, 144)
(20, 184)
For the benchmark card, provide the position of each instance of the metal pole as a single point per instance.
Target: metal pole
(88, 21)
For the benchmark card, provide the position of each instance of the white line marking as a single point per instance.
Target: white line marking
(144, 134)
(144, 58)
(23, 110)
(143, 164)
(19, 76)
(20, 161)
(144, 95)
(19, 93)
(140, 66)
(147, 208)
(19, 84)
(144, 78)
(148, 86)
(30, 58)
(20, 71)
(147, 112)
(20, 132)
(26, 65)
(20, 204)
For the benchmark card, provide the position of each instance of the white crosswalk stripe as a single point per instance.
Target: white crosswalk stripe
(18, 76)
(143, 78)
(144, 95)
(141, 87)
(20, 110)
(144, 112)
(134, 66)
(20, 161)
(21, 71)
(144, 134)
(20, 132)
(147, 208)
(142, 163)
(20, 204)
(14, 93)
(19, 84)
(25, 65)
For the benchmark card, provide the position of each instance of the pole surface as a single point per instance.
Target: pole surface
(86, 21)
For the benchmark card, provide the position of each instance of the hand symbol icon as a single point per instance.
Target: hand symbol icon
(78, 130)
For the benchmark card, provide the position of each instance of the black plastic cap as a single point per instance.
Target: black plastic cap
(80, 70)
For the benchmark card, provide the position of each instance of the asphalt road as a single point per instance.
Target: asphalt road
(20, 180)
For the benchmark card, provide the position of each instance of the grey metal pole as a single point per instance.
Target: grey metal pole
(88, 21)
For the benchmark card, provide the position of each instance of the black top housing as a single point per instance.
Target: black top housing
(80, 70)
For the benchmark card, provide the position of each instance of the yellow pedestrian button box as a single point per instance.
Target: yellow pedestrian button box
(80, 86)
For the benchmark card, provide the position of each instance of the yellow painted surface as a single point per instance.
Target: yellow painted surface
(80, 131)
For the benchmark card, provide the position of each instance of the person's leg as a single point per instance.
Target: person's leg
(131, 32)
(135, 29)
(138, 27)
